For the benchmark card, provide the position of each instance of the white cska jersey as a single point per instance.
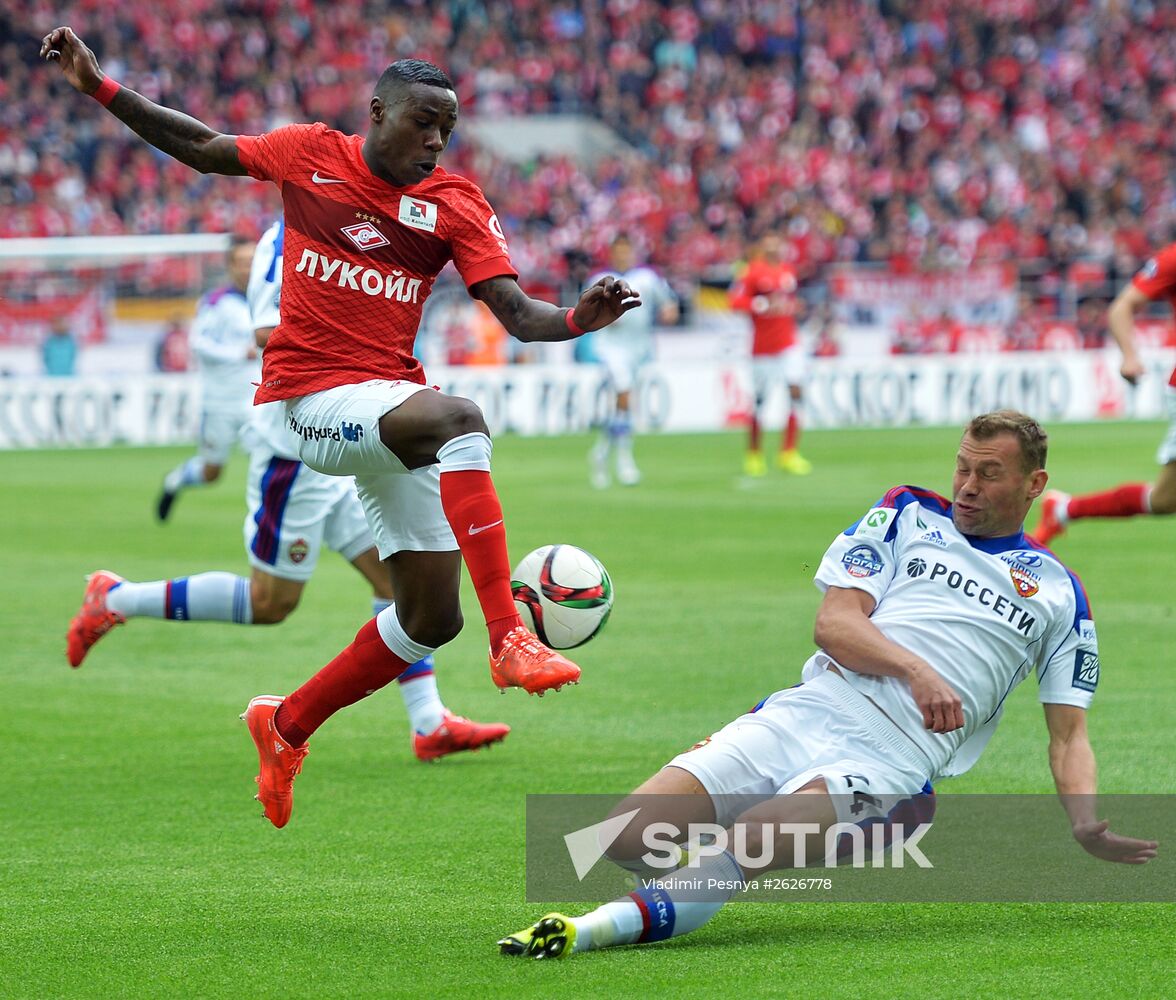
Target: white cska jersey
(267, 421)
(984, 612)
(633, 330)
(221, 338)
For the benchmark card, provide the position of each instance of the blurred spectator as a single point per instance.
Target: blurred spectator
(913, 133)
(59, 350)
(171, 353)
(1024, 332)
(1092, 324)
(825, 345)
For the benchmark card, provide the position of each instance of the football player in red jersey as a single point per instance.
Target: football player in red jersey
(1155, 280)
(767, 291)
(370, 221)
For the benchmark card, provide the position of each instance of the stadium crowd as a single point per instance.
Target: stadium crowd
(912, 133)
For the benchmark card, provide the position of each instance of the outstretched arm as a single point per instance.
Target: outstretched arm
(531, 320)
(843, 630)
(188, 140)
(1071, 759)
(1121, 322)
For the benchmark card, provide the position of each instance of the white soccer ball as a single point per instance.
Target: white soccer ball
(563, 593)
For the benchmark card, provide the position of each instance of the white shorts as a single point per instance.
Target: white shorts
(621, 361)
(769, 370)
(293, 510)
(1167, 449)
(339, 435)
(799, 734)
(219, 431)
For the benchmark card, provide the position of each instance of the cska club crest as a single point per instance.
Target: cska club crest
(299, 550)
(1024, 581)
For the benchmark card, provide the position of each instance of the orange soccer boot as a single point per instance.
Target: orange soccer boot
(456, 734)
(93, 620)
(523, 661)
(280, 763)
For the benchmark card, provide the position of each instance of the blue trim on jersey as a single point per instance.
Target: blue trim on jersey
(276, 484)
(422, 668)
(657, 914)
(1081, 599)
(995, 546)
(176, 600)
(279, 239)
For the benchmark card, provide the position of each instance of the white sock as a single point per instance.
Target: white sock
(206, 597)
(679, 903)
(421, 699)
(188, 473)
(397, 640)
(467, 452)
(419, 687)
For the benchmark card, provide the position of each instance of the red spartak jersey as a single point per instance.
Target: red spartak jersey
(1157, 280)
(359, 258)
(768, 292)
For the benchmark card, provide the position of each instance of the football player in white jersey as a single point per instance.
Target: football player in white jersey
(291, 512)
(622, 349)
(221, 341)
(934, 610)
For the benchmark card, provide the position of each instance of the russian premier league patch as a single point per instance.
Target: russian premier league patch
(862, 561)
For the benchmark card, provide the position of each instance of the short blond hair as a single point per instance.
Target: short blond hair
(1033, 440)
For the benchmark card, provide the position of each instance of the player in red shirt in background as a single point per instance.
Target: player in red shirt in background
(370, 221)
(767, 291)
(1155, 280)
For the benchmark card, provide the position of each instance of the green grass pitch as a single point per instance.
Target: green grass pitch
(134, 861)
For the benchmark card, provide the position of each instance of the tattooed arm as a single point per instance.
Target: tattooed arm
(188, 140)
(531, 320)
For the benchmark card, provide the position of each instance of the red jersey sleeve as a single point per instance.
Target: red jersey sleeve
(1158, 276)
(268, 157)
(477, 241)
(741, 291)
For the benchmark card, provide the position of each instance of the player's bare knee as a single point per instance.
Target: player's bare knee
(271, 610)
(429, 626)
(464, 416)
(1163, 499)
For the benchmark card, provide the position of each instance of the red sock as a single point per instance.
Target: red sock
(753, 434)
(792, 431)
(1123, 501)
(361, 669)
(475, 515)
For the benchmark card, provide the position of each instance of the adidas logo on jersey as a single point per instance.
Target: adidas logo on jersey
(935, 537)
